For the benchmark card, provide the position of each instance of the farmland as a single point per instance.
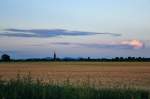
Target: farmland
(75, 80)
(99, 74)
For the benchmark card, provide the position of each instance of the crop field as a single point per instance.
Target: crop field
(98, 74)
(75, 80)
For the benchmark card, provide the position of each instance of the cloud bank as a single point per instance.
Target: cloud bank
(43, 33)
(126, 44)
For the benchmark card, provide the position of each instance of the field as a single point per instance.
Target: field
(75, 80)
(99, 74)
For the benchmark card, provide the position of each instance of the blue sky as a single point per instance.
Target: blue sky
(75, 28)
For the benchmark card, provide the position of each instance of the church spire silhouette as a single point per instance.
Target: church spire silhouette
(54, 56)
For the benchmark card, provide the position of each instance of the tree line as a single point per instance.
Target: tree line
(6, 58)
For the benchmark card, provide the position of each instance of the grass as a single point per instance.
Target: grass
(27, 88)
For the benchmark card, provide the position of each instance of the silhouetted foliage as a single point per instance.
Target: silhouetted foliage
(88, 59)
(5, 57)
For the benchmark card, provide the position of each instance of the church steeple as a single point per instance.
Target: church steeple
(54, 56)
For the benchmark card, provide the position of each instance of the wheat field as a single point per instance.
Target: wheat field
(108, 74)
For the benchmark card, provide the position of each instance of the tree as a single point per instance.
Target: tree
(5, 57)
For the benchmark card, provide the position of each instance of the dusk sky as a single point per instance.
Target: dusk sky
(75, 28)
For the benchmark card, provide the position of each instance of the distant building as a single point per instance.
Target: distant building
(54, 56)
(89, 58)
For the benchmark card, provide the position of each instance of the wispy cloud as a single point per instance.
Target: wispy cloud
(49, 33)
(126, 44)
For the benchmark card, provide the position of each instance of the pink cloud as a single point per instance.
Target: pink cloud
(137, 44)
(124, 44)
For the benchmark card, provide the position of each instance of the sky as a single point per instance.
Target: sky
(75, 28)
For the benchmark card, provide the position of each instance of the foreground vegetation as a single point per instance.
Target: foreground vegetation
(26, 88)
